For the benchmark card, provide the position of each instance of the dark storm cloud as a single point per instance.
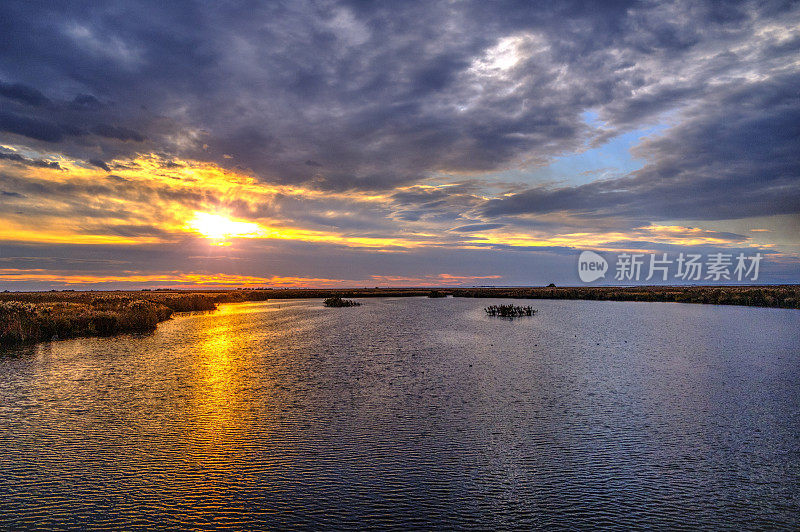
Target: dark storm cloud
(374, 94)
(29, 162)
(85, 101)
(353, 95)
(23, 93)
(35, 128)
(100, 164)
(120, 133)
(735, 158)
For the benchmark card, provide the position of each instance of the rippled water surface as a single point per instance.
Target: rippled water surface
(408, 413)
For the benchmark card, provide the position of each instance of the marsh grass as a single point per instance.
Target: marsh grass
(30, 322)
(39, 316)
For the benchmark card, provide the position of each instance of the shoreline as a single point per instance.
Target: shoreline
(32, 317)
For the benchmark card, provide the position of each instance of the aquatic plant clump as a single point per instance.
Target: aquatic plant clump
(509, 311)
(338, 302)
(436, 293)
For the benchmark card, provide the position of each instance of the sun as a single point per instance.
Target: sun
(219, 227)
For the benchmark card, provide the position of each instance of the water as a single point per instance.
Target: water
(409, 413)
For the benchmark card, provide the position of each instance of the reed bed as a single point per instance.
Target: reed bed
(39, 316)
(29, 322)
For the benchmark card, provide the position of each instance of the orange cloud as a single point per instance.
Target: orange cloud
(172, 279)
(149, 200)
(223, 280)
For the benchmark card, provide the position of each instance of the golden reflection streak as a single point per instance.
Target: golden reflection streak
(219, 423)
(216, 386)
(226, 419)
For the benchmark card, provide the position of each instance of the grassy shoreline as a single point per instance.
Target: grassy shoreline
(29, 317)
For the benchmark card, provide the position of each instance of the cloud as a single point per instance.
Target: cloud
(421, 123)
(477, 227)
(29, 162)
(100, 164)
(35, 128)
(427, 88)
(85, 101)
(120, 133)
(734, 157)
(23, 93)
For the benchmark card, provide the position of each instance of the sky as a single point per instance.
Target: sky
(332, 144)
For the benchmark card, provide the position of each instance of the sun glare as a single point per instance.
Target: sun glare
(220, 228)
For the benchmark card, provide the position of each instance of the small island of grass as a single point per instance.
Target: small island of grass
(338, 302)
(509, 311)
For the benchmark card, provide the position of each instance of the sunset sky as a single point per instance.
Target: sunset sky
(177, 144)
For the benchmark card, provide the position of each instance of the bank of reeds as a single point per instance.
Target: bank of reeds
(29, 322)
(39, 316)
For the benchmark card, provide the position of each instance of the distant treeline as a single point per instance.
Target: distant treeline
(27, 317)
(783, 296)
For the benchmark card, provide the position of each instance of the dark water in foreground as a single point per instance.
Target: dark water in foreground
(411, 413)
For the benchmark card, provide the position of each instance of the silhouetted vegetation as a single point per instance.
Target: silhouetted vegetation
(509, 311)
(783, 296)
(338, 302)
(436, 293)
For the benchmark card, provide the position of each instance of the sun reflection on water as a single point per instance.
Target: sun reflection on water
(219, 394)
